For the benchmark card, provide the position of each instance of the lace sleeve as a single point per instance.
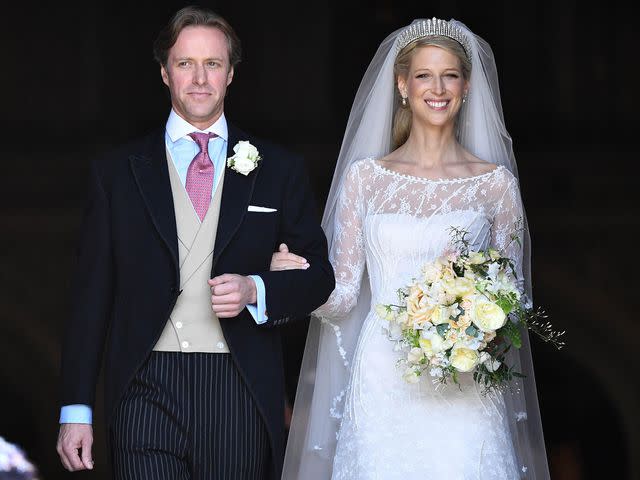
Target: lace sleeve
(347, 248)
(507, 233)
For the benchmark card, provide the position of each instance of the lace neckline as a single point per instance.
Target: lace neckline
(432, 180)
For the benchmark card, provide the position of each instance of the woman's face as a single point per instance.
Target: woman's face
(434, 86)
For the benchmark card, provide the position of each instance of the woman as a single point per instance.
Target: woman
(425, 150)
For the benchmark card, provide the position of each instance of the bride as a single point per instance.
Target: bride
(425, 149)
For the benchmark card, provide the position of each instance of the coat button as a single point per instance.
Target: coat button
(220, 345)
(185, 344)
(178, 324)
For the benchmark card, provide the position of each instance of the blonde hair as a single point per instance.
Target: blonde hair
(402, 115)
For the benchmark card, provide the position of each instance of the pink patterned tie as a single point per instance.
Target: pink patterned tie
(200, 175)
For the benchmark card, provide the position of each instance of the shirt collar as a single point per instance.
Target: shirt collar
(178, 127)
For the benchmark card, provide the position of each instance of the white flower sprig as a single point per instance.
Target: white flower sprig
(246, 158)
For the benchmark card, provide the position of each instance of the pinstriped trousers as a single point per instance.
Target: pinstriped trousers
(189, 416)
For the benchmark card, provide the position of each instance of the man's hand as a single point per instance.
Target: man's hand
(74, 446)
(231, 293)
(284, 260)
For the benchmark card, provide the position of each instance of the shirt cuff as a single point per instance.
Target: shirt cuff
(259, 311)
(76, 414)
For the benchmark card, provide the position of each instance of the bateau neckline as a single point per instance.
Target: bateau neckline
(433, 180)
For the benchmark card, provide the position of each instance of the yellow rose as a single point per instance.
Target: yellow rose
(463, 359)
(440, 315)
(494, 254)
(465, 287)
(425, 343)
(460, 286)
(433, 345)
(486, 315)
(476, 258)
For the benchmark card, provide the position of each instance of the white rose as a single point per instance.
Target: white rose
(244, 149)
(471, 276)
(464, 359)
(486, 315)
(415, 355)
(431, 272)
(243, 165)
(245, 159)
(410, 376)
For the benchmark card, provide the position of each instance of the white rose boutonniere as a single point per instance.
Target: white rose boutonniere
(246, 158)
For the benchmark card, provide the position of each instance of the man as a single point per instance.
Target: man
(173, 276)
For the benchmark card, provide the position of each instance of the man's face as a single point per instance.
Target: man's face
(197, 74)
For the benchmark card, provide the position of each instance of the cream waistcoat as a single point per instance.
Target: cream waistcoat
(192, 325)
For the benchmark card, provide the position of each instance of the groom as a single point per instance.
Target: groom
(173, 281)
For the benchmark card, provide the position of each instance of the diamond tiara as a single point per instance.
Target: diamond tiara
(429, 28)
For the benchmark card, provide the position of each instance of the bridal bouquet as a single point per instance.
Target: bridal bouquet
(463, 313)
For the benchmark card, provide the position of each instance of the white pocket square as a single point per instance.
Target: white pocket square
(253, 208)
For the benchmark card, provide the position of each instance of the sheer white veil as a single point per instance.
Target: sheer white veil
(330, 347)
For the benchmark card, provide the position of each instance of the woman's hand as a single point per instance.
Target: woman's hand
(284, 260)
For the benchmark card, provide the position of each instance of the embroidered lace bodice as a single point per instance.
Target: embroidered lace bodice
(391, 224)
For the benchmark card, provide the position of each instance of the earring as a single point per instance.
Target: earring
(464, 98)
(404, 101)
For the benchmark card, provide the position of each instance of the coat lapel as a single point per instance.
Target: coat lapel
(150, 170)
(236, 195)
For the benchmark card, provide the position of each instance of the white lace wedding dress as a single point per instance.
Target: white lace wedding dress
(391, 224)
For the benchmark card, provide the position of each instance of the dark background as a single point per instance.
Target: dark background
(77, 80)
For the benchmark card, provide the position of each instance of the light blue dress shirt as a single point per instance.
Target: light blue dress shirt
(183, 149)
